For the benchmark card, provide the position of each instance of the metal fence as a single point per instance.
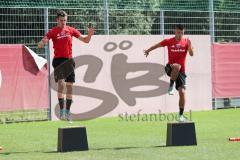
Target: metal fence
(28, 25)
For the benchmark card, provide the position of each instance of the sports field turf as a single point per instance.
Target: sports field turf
(113, 139)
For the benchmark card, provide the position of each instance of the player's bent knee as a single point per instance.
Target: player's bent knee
(176, 67)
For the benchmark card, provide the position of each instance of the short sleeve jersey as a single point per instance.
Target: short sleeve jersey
(62, 40)
(177, 51)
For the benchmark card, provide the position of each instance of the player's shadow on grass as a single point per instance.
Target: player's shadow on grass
(94, 149)
(122, 148)
(9, 153)
(114, 148)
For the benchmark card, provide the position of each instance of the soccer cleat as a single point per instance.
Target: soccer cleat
(68, 116)
(181, 119)
(62, 114)
(170, 90)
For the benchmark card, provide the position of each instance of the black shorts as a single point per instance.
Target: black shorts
(181, 79)
(64, 69)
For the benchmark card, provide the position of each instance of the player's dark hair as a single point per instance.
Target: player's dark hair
(61, 13)
(180, 26)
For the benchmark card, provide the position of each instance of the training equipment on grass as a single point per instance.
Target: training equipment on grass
(72, 139)
(181, 134)
(234, 139)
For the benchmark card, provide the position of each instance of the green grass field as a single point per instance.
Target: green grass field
(110, 138)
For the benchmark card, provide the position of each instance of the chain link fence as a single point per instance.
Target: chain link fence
(28, 25)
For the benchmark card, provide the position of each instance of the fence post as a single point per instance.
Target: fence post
(212, 35)
(162, 31)
(162, 22)
(106, 20)
(211, 21)
(47, 55)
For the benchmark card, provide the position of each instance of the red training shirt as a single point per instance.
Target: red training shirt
(177, 51)
(62, 40)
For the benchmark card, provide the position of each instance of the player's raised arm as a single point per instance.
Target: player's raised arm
(147, 51)
(87, 38)
(43, 42)
(190, 48)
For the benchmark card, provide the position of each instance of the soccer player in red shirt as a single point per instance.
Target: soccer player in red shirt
(63, 62)
(178, 46)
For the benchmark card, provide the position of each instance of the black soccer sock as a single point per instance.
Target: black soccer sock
(171, 82)
(61, 103)
(181, 111)
(68, 103)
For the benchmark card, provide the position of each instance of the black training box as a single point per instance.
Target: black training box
(181, 134)
(72, 139)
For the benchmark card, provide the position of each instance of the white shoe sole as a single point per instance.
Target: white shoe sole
(170, 93)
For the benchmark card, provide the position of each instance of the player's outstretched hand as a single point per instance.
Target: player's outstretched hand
(40, 44)
(190, 47)
(90, 30)
(189, 44)
(146, 52)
